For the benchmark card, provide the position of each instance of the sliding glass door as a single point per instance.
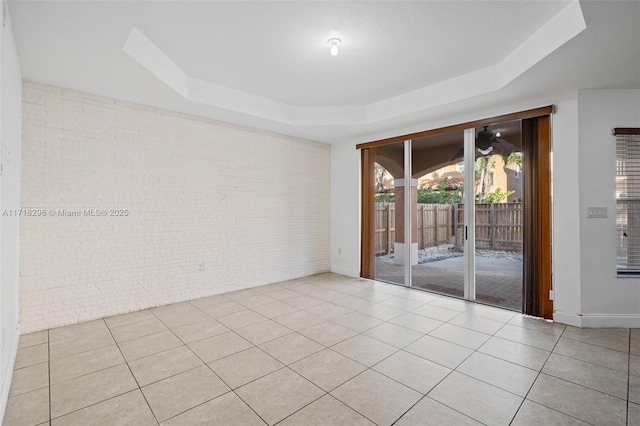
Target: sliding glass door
(463, 211)
(448, 214)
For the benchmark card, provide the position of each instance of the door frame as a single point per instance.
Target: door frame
(469, 215)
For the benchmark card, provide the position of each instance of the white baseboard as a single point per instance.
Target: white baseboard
(610, 321)
(349, 272)
(568, 319)
(8, 375)
(598, 320)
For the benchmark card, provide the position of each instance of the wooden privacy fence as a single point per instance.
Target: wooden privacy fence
(385, 227)
(435, 226)
(498, 226)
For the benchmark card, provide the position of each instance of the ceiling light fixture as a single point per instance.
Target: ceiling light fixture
(485, 151)
(334, 42)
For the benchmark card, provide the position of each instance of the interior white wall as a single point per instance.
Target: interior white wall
(345, 209)
(606, 299)
(10, 137)
(566, 210)
(587, 291)
(211, 207)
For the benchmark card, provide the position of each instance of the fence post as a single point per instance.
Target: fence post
(435, 222)
(420, 225)
(389, 242)
(425, 229)
(455, 224)
(449, 222)
(492, 225)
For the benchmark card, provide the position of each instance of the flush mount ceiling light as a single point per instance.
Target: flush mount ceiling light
(334, 42)
(485, 151)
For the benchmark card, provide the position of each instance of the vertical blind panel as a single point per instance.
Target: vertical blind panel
(628, 203)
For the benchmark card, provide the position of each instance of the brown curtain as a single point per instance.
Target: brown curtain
(367, 239)
(536, 142)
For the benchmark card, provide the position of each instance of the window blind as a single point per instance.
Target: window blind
(628, 200)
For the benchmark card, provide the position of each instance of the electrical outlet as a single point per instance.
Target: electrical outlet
(339, 250)
(201, 266)
(596, 212)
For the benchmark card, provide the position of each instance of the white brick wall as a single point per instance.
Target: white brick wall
(252, 207)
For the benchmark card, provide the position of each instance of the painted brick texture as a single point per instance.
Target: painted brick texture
(211, 207)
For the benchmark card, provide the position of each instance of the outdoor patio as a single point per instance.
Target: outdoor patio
(498, 281)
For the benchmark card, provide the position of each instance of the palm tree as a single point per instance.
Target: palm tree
(481, 168)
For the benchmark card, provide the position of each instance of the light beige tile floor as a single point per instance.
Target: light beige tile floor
(325, 350)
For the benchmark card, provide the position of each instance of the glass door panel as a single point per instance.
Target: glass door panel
(499, 216)
(389, 214)
(438, 241)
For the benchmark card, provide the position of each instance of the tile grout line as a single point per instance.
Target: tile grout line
(476, 350)
(96, 403)
(49, 371)
(87, 374)
(436, 401)
(455, 369)
(131, 372)
(592, 364)
(288, 366)
(317, 284)
(209, 367)
(325, 393)
(536, 379)
(125, 362)
(426, 395)
(427, 334)
(329, 392)
(592, 344)
(83, 351)
(298, 331)
(390, 355)
(629, 376)
(399, 349)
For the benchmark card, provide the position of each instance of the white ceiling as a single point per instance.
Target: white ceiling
(267, 64)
